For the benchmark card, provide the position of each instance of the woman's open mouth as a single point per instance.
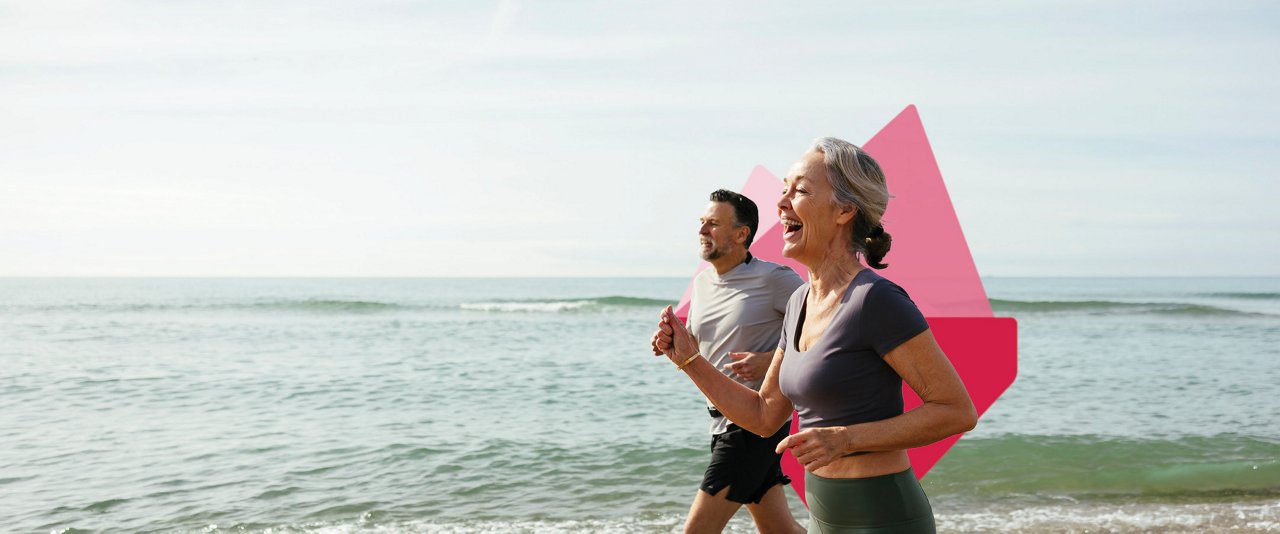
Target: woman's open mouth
(791, 228)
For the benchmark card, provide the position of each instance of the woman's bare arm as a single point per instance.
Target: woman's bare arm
(761, 413)
(946, 410)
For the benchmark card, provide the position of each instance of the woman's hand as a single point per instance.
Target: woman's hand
(816, 447)
(672, 338)
(654, 344)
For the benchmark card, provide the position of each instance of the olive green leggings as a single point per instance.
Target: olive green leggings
(874, 505)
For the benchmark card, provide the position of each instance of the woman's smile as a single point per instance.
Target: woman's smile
(792, 228)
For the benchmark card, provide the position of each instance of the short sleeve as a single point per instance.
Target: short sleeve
(691, 318)
(889, 317)
(783, 285)
(789, 307)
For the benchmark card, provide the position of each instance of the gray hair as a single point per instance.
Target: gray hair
(856, 180)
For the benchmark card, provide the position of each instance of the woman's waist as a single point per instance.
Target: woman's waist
(847, 414)
(871, 464)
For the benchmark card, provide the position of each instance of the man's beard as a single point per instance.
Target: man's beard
(713, 253)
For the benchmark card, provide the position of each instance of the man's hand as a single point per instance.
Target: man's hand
(749, 366)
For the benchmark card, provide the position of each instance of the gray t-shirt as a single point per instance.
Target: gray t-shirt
(740, 311)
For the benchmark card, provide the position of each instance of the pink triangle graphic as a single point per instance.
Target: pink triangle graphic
(930, 259)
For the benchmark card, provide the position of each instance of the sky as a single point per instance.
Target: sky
(389, 138)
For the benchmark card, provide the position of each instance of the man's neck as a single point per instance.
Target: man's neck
(726, 263)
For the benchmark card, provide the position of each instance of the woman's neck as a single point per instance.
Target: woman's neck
(832, 273)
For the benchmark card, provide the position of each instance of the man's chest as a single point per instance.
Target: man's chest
(718, 313)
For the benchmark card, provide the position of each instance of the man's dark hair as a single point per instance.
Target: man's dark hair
(744, 210)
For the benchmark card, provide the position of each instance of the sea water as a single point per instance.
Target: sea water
(535, 405)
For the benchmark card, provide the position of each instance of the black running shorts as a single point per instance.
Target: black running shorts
(745, 463)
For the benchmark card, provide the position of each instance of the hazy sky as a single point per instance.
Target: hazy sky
(377, 138)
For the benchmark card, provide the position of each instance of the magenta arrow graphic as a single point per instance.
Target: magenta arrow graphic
(930, 259)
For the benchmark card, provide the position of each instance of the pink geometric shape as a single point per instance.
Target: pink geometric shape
(763, 184)
(929, 258)
(984, 351)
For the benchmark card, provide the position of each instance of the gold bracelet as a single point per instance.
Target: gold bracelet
(686, 362)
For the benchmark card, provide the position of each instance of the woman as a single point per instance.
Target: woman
(849, 339)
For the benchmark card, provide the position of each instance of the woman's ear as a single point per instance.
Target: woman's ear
(846, 213)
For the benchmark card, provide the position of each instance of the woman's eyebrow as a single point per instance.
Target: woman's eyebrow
(796, 178)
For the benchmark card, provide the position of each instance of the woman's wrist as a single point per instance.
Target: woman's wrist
(681, 363)
(678, 358)
(851, 442)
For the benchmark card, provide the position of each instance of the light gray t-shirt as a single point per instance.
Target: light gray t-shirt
(740, 311)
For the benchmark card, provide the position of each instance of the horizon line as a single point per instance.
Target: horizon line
(560, 277)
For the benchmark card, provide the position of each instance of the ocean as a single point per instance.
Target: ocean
(534, 405)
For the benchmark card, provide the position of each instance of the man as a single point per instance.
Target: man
(736, 312)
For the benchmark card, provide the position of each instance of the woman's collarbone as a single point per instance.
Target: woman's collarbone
(815, 326)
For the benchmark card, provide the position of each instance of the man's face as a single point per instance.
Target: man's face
(719, 232)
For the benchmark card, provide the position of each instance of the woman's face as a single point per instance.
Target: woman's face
(810, 217)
